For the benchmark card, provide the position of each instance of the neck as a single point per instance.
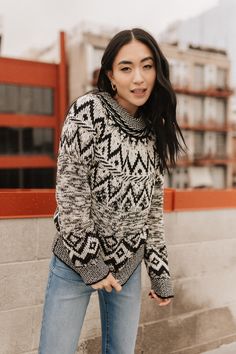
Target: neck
(131, 109)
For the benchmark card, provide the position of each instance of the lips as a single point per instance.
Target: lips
(139, 91)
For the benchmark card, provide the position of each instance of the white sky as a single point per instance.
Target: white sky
(36, 23)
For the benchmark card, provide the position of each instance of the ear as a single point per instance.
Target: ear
(110, 75)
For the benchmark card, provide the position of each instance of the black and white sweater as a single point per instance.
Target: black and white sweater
(110, 195)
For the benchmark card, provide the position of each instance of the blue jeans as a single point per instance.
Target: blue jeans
(66, 301)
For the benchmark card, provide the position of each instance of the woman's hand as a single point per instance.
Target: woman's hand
(108, 284)
(161, 302)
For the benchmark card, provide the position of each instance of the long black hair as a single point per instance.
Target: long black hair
(160, 109)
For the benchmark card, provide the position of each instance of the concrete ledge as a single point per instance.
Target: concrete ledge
(202, 260)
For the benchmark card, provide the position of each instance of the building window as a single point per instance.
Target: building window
(37, 141)
(21, 99)
(198, 144)
(26, 141)
(221, 78)
(198, 110)
(198, 77)
(220, 145)
(10, 140)
(27, 178)
(9, 178)
(39, 178)
(221, 116)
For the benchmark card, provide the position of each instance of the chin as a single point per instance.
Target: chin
(140, 103)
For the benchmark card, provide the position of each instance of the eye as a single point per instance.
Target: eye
(125, 69)
(148, 66)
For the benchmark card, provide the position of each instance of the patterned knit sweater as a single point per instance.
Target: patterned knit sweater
(109, 195)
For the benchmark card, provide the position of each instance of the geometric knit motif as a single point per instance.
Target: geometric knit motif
(109, 195)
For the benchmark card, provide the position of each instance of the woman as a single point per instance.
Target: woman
(115, 145)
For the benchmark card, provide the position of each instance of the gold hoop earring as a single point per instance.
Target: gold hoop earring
(113, 86)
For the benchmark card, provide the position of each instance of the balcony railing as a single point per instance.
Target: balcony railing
(23, 203)
(213, 126)
(200, 159)
(210, 92)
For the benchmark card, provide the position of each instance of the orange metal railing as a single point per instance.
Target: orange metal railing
(23, 203)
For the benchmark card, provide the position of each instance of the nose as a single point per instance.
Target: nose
(137, 78)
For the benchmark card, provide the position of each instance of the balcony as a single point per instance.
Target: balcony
(209, 92)
(211, 126)
(200, 159)
(188, 122)
(200, 232)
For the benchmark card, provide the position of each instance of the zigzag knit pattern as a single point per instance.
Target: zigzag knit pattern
(110, 195)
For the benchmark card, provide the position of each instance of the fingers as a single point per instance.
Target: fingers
(108, 288)
(108, 284)
(114, 283)
(161, 302)
(165, 302)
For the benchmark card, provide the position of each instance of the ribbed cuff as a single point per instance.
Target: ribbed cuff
(162, 287)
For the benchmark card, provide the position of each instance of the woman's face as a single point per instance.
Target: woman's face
(134, 74)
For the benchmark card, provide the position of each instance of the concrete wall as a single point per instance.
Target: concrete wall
(203, 263)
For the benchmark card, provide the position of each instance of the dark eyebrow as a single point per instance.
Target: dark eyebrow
(130, 62)
(147, 58)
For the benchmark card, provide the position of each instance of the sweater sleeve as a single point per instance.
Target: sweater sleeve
(73, 193)
(156, 257)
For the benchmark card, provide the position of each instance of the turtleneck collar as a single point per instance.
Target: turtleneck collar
(135, 126)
